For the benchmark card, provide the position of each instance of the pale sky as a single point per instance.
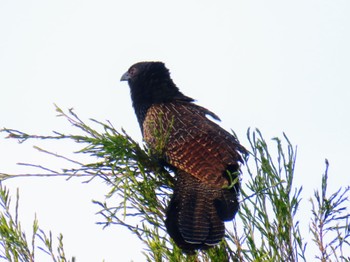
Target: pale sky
(280, 66)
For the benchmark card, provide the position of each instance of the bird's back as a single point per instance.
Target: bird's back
(191, 142)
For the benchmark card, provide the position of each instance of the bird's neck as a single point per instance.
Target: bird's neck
(154, 92)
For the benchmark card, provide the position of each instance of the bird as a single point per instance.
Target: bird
(205, 158)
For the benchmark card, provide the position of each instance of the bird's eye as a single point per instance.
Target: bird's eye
(132, 71)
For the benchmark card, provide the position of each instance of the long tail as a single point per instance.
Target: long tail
(196, 213)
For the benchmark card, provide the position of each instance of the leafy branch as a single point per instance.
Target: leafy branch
(14, 245)
(266, 228)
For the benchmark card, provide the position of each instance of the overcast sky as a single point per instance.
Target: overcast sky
(280, 66)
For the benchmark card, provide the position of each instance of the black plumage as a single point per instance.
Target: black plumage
(205, 157)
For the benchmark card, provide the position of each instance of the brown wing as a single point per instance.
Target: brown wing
(191, 142)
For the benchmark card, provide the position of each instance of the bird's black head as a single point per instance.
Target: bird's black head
(150, 83)
(143, 71)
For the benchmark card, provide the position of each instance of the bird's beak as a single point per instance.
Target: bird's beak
(125, 77)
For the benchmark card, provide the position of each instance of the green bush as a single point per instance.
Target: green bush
(265, 229)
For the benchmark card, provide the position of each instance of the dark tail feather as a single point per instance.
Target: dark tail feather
(196, 213)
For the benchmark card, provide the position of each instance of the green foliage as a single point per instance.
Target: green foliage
(328, 219)
(269, 213)
(266, 228)
(14, 245)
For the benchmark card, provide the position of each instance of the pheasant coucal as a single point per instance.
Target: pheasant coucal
(205, 158)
